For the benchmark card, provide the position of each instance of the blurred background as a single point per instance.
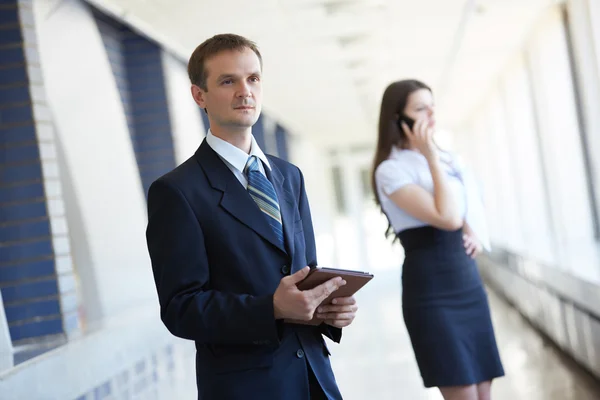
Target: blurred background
(95, 105)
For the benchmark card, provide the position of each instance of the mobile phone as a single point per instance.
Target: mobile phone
(407, 120)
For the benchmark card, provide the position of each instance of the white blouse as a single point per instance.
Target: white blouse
(405, 167)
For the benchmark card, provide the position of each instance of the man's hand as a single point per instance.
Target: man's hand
(340, 313)
(291, 303)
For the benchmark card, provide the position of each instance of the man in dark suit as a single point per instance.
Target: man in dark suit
(230, 234)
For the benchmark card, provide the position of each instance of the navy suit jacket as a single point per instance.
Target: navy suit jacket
(216, 264)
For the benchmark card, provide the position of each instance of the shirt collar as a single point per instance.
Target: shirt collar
(233, 155)
(395, 152)
(398, 152)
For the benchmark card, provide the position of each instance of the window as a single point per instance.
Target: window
(552, 80)
(338, 188)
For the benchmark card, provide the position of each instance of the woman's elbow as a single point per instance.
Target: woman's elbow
(452, 224)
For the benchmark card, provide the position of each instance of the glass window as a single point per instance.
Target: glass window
(583, 17)
(548, 59)
(527, 172)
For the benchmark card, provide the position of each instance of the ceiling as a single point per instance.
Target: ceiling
(327, 62)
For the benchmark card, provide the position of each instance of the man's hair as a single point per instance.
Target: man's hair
(209, 48)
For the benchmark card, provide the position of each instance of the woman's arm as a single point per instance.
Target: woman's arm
(437, 210)
(440, 209)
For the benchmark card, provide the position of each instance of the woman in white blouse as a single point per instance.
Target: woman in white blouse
(433, 208)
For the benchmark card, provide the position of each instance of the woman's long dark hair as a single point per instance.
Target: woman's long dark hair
(393, 104)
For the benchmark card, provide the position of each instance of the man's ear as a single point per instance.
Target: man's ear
(199, 96)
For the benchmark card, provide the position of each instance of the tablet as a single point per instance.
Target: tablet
(355, 280)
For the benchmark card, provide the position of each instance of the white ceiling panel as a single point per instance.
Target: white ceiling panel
(327, 62)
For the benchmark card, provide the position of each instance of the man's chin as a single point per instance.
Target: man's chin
(245, 122)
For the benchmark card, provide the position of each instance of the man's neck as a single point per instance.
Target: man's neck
(242, 138)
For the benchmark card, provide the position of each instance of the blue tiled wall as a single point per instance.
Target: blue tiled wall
(28, 280)
(140, 380)
(137, 67)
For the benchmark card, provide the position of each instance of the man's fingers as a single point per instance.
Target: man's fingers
(337, 309)
(336, 316)
(338, 323)
(324, 290)
(298, 276)
(344, 300)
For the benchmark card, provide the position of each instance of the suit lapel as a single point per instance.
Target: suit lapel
(235, 200)
(286, 206)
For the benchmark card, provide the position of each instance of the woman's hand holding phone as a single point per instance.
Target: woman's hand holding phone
(421, 136)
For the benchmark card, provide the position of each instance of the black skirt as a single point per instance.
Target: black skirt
(446, 310)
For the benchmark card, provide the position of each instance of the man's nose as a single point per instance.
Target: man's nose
(244, 90)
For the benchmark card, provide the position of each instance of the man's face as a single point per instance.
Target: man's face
(234, 95)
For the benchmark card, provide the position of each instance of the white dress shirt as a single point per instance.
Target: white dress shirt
(235, 158)
(405, 167)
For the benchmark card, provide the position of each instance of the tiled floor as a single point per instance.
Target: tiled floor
(375, 360)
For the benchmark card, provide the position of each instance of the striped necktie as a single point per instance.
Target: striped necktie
(263, 193)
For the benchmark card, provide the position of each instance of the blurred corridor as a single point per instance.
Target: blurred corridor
(95, 105)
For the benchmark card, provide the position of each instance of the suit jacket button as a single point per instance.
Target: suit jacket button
(285, 269)
(300, 353)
